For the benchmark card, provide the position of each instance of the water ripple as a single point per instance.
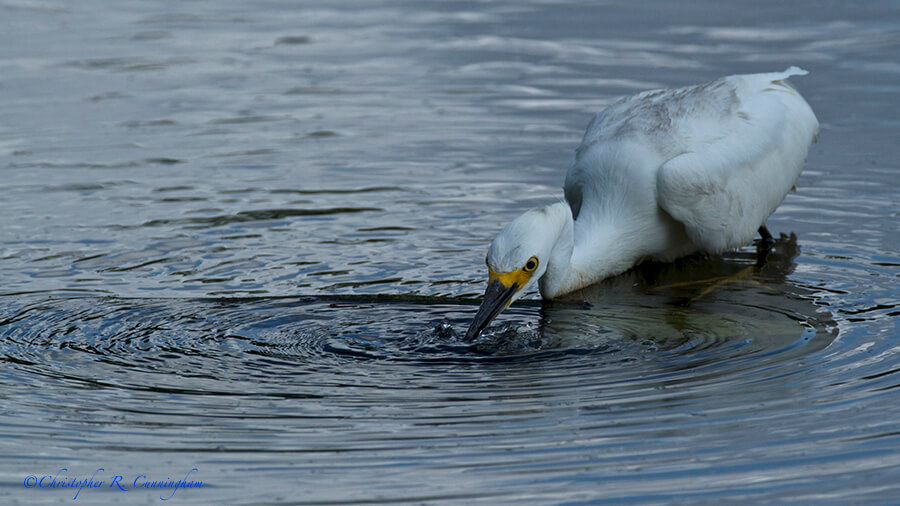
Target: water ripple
(248, 240)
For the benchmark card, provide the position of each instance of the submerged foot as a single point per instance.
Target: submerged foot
(743, 276)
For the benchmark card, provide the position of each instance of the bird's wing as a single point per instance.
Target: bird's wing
(735, 167)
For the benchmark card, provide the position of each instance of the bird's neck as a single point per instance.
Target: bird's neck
(585, 252)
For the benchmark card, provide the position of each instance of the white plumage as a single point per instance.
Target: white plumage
(659, 175)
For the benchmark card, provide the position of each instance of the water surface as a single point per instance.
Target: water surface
(247, 238)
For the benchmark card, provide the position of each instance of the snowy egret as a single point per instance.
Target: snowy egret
(658, 175)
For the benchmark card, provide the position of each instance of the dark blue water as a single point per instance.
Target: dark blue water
(245, 238)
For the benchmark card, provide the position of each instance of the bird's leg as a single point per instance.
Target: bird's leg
(765, 245)
(766, 235)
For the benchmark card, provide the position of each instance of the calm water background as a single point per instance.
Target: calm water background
(244, 237)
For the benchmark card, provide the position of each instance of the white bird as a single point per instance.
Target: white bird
(658, 175)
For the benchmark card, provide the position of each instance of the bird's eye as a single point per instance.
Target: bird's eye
(531, 264)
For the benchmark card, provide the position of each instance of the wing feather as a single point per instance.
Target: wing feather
(735, 169)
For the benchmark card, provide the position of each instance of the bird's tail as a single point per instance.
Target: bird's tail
(792, 71)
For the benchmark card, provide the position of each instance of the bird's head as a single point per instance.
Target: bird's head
(516, 260)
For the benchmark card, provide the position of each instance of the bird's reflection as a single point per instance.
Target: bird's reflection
(698, 301)
(693, 277)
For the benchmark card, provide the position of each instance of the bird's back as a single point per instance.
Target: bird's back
(717, 157)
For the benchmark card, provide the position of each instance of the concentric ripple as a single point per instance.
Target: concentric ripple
(639, 394)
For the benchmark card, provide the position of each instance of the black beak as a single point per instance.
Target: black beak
(496, 298)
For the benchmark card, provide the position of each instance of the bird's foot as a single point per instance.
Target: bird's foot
(744, 276)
